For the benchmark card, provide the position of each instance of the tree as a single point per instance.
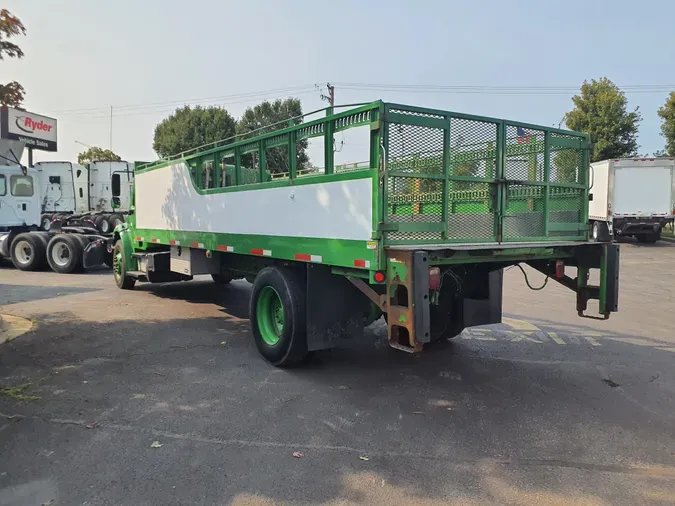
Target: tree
(667, 115)
(267, 117)
(600, 110)
(96, 154)
(12, 93)
(188, 128)
(566, 163)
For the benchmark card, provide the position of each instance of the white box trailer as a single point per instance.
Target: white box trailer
(631, 197)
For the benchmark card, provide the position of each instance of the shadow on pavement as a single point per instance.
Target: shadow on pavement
(464, 422)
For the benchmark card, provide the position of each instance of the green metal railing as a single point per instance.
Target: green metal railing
(441, 177)
(459, 178)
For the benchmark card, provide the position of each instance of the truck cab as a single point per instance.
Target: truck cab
(19, 197)
(110, 185)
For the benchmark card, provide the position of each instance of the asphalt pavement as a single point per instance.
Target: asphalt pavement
(158, 396)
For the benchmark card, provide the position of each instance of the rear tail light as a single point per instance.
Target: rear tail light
(379, 277)
(559, 269)
(434, 278)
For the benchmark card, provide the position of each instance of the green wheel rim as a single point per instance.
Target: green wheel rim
(117, 265)
(270, 315)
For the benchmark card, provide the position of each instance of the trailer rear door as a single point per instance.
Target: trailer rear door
(642, 191)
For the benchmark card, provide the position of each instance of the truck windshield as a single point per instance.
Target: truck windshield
(22, 186)
(3, 185)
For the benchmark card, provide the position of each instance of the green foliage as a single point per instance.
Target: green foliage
(96, 154)
(600, 110)
(188, 128)
(566, 164)
(16, 393)
(11, 94)
(667, 115)
(267, 117)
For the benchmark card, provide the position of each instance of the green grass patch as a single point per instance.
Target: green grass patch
(16, 393)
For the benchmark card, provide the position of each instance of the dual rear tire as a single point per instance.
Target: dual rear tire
(27, 251)
(277, 315)
(65, 253)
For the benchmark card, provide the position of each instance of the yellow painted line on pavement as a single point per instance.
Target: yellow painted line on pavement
(519, 324)
(12, 327)
(590, 340)
(555, 338)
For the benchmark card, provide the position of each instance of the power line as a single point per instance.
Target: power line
(220, 98)
(494, 89)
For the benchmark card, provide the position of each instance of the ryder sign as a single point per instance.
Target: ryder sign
(35, 131)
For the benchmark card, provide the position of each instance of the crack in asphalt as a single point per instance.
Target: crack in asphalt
(651, 471)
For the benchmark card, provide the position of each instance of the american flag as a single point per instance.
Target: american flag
(523, 136)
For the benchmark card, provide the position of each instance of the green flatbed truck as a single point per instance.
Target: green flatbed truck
(420, 233)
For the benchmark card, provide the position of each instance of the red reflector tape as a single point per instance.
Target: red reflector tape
(174, 243)
(228, 249)
(154, 240)
(363, 264)
(197, 245)
(138, 238)
(261, 252)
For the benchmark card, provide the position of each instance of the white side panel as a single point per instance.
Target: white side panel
(18, 210)
(167, 200)
(597, 208)
(57, 197)
(642, 191)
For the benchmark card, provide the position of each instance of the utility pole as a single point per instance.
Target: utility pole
(330, 98)
(111, 114)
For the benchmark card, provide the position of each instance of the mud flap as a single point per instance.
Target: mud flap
(489, 310)
(336, 310)
(93, 253)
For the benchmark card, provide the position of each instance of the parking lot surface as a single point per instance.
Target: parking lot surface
(158, 396)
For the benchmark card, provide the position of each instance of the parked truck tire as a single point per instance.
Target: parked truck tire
(64, 253)
(277, 315)
(649, 238)
(46, 222)
(102, 223)
(27, 252)
(122, 279)
(600, 232)
(114, 220)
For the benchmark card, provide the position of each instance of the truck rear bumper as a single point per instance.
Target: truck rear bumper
(629, 226)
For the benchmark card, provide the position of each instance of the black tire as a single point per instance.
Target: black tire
(64, 253)
(649, 238)
(27, 252)
(122, 280)
(45, 221)
(114, 220)
(600, 232)
(291, 347)
(103, 224)
(44, 238)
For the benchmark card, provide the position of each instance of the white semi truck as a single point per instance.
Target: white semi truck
(21, 201)
(631, 197)
(97, 195)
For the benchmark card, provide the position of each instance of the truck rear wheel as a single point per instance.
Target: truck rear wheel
(114, 220)
(64, 253)
(600, 232)
(46, 221)
(103, 224)
(277, 314)
(27, 252)
(122, 279)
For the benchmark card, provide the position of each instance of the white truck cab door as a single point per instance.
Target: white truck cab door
(19, 201)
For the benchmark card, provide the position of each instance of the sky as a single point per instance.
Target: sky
(144, 59)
